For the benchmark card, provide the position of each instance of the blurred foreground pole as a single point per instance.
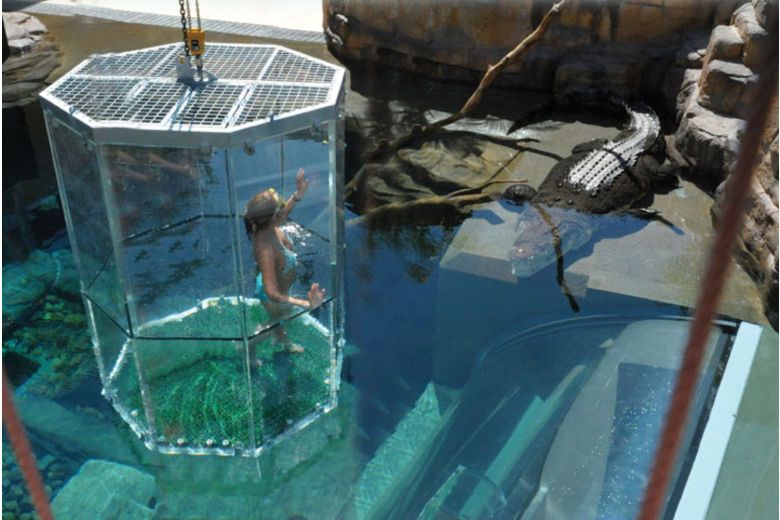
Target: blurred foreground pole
(736, 198)
(24, 454)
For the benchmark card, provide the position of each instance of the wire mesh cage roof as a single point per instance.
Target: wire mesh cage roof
(138, 90)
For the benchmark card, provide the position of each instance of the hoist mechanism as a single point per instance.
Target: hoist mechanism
(194, 49)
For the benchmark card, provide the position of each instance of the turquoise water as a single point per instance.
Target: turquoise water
(427, 424)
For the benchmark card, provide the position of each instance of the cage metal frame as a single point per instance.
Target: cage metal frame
(169, 132)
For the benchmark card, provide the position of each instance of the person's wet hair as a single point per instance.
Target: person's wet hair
(260, 210)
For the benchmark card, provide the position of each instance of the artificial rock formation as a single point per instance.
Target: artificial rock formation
(712, 103)
(103, 490)
(602, 43)
(32, 59)
(714, 95)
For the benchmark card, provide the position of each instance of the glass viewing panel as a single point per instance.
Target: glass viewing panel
(81, 189)
(176, 233)
(156, 177)
(557, 421)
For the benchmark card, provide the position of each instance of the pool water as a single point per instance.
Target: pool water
(540, 408)
(465, 392)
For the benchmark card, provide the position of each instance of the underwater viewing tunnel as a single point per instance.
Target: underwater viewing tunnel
(155, 175)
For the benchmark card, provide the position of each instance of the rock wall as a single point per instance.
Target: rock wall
(32, 59)
(711, 96)
(757, 247)
(615, 44)
(714, 97)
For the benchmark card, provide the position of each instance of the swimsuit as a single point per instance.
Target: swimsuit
(290, 262)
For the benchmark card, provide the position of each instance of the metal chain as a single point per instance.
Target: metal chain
(189, 16)
(184, 27)
(197, 12)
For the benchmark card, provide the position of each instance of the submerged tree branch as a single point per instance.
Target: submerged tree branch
(456, 200)
(418, 131)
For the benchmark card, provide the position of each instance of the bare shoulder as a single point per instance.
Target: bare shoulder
(263, 250)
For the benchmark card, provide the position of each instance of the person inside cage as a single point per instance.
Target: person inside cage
(274, 256)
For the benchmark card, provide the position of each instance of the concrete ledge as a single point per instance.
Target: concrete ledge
(164, 20)
(700, 486)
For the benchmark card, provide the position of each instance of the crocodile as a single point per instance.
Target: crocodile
(599, 177)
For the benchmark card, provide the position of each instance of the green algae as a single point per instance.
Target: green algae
(56, 337)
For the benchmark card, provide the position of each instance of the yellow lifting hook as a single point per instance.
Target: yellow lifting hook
(196, 38)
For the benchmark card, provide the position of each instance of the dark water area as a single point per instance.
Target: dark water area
(19, 151)
(392, 276)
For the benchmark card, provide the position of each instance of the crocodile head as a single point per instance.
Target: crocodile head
(544, 233)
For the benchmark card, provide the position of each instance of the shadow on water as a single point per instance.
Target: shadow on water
(386, 104)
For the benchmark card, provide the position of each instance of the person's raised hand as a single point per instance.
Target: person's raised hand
(301, 184)
(316, 295)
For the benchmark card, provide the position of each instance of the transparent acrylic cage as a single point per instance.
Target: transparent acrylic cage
(154, 178)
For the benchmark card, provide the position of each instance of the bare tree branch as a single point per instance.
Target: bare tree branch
(515, 54)
(456, 199)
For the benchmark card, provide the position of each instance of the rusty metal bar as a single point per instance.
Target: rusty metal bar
(24, 454)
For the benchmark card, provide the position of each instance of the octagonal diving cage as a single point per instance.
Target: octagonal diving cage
(154, 177)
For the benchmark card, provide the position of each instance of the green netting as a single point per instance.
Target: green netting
(199, 389)
(215, 318)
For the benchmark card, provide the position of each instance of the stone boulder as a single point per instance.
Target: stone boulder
(22, 31)
(25, 284)
(726, 87)
(725, 43)
(104, 490)
(707, 141)
(32, 60)
(758, 44)
(18, 25)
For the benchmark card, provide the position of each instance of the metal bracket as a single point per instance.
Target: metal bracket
(193, 77)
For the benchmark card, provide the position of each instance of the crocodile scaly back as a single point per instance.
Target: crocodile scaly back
(599, 169)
